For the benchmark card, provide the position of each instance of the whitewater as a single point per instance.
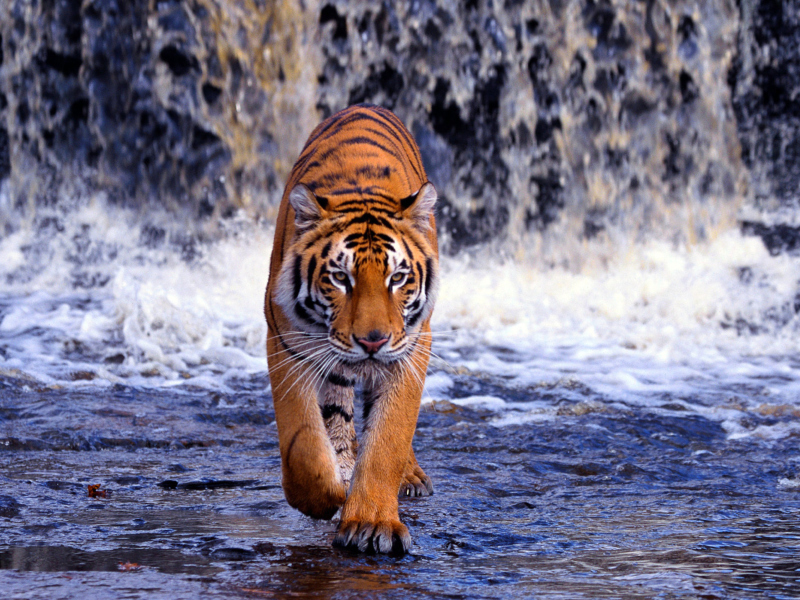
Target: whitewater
(92, 297)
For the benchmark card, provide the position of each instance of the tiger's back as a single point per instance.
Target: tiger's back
(353, 281)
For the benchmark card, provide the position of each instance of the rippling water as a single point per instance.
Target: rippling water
(624, 429)
(610, 501)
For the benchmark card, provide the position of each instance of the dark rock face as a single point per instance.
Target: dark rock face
(584, 118)
(765, 80)
(86, 91)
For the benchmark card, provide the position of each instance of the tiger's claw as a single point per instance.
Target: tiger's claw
(385, 537)
(415, 483)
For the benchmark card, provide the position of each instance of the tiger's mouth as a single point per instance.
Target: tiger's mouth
(354, 356)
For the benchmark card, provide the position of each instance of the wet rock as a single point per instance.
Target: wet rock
(65, 486)
(206, 484)
(127, 480)
(265, 548)
(232, 554)
(778, 238)
(178, 468)
(9, 507)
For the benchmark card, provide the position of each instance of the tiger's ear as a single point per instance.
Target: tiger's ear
(308, 208)
(418, 207)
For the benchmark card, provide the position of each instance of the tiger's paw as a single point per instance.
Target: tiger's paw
(386, 537)
(318, 504)
(415, 483)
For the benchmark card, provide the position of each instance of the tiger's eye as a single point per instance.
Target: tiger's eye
(398, 277)
(340, 276)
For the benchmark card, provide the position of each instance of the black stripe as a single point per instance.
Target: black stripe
(385, 199)
(342, 123)
(273, 326)
(336, 379)
(378, 197)
(332, 178)
(326, 231)
(352, 114)
(303, 314)
(413, 319)
(334, 120)
(428, 277)
(408, 200)
(301, 166)
(312, 266)
(371, 220)
(394, 140)
(408, 250)
(359, 116)
(347, 211)
(372, 172)
(312, 304)
(384, 118)
(399, 129)
(371, 191)
(291, 444)
(297, 279)
(334, 409)
(349, 190)
(359, 139)
(369, 400)
(413, 239)
(368, 205)
(325, 250)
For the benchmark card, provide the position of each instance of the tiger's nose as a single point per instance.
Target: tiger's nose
(373, 342)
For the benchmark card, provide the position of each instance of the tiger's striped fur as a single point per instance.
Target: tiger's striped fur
(353, 281)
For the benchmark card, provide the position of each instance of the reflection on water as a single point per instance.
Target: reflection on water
(64, 558)
(614, 501)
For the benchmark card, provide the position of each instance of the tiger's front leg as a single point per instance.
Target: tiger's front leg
(370, 514)
(414, 482)
(311, 480)
(336, 398)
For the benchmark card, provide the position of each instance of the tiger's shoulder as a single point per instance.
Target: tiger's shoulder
(363, 151)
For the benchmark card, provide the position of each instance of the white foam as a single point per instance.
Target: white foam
(789, 484)
(437, 384)
(651, 323)
(491, 402)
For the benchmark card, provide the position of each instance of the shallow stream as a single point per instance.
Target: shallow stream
(629, 431)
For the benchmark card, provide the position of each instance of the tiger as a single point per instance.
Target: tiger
(353, 280)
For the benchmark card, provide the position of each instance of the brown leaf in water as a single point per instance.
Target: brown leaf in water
(96, 492)
(129, 566)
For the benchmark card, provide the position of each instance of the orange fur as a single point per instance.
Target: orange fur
(353, 280)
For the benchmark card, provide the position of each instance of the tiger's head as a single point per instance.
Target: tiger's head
(361, 277)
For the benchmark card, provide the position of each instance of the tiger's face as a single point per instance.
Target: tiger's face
(360, 278)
